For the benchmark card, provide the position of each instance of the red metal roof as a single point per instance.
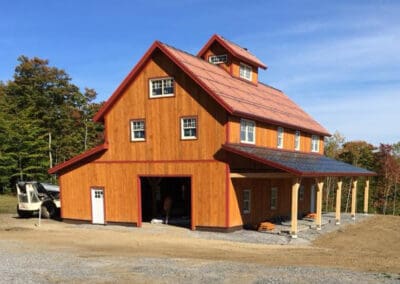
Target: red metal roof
(79, 158)
(236, 50)
(259, 102)
(241, 98)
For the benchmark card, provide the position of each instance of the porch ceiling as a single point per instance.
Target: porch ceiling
(297, 163)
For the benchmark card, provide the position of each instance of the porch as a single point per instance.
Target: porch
(296, 169)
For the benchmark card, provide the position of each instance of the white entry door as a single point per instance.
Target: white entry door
(97, 206)
(312, 201)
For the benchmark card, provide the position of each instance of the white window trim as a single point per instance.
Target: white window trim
(162, 87)
(248, 210)
(315, 143)
(297, 140)
(280, 136)
(183, 137)
(221, 58)
(242, 65)
(246, 140)
(133, 139)
(274, 207)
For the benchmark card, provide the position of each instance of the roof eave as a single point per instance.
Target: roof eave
(279, 123)
(78, 158)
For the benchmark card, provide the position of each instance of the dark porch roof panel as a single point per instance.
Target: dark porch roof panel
(297, 163)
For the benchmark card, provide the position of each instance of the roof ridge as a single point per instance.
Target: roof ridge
(234, 43)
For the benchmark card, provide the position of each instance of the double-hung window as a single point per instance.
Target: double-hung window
(163, 87)
(138, 131)
(245, 71)
(188, 128)
(246, 201)
(279, 143)
(274, 198)
(314, 143)
(247, 131)
(297, 136)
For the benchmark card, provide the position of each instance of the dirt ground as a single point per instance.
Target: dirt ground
(372, 245)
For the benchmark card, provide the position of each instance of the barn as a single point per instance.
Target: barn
(198, 139)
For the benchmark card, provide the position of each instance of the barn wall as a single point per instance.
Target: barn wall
(266, 136)
(163, 119)
(120, 183)
(261, 197)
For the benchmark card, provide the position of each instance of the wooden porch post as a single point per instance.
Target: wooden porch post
(366, 196)
(320, 185)
(354, 199)
(295, 194)
(338, 201)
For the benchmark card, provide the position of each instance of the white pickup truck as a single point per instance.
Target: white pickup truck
(35, 197)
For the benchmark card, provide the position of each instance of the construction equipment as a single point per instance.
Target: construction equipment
(35, 197)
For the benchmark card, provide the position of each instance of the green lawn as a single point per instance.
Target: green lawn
(8, 203)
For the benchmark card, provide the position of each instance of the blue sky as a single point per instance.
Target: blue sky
(340, 60)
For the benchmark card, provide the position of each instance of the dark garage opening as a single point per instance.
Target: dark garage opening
(163, 195)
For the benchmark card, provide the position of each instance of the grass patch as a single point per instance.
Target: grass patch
(8, 203)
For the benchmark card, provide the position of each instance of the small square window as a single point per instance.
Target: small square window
(189, 128)
(138, 132)
(246, 201)
(245, 71)
(161, 87)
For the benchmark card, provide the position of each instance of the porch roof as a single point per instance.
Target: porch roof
(297, 163)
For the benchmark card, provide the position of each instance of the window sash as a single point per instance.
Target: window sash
(246, 201)
(247, 131)
(297, 137)
(218, 59)
(245, 71)
(274, 198)
(189, 128)
(161, 87)
(314, 143)
(138, 131)
(280, 137)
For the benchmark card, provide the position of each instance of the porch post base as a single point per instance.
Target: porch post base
(293, 235)
(318, 228)
(353, 217)
(337, 222)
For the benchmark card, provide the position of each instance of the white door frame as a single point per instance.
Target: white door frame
(97, 200)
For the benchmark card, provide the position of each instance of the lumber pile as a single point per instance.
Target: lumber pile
(266, 226)
(311, 215)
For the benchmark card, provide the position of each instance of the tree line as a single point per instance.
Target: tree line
(384, 160)
(44, 119)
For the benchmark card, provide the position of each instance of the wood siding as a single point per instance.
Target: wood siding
(261, 199)
(266, 136)
(162, 116)
(120, 183)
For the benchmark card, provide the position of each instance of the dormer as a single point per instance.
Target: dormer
(234, 59)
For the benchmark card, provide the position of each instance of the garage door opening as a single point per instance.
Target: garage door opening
(166, 200)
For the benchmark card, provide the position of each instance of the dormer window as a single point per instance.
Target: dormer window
(245, 71)
(218, 59)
